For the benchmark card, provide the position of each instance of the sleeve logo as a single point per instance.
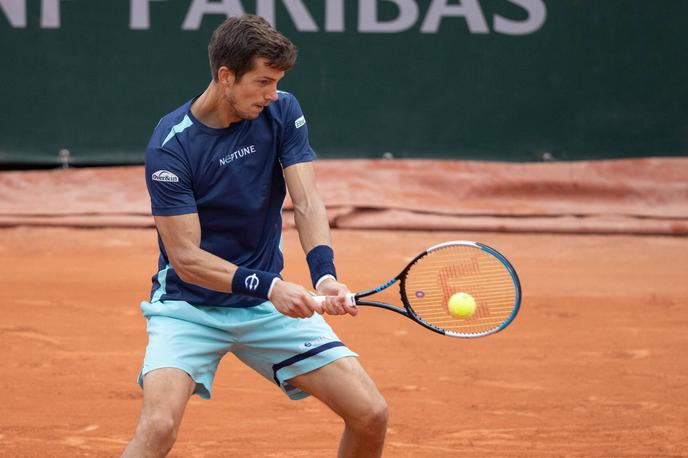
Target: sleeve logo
(300, 122)
(165, 175)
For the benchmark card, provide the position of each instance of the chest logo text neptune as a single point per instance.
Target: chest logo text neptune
(238, 154)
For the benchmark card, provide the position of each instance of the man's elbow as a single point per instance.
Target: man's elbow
(183, 265)
(309, 207)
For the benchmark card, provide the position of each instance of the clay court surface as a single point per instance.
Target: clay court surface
(594, 366)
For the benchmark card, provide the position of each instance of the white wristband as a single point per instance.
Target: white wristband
(272, 285)
(324, 277)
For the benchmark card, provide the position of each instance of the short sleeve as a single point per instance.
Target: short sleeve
(295, 147)
(169, 182)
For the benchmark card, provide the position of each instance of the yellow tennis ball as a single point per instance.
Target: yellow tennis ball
(461, 305)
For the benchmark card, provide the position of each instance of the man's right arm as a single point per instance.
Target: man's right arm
(181, 236)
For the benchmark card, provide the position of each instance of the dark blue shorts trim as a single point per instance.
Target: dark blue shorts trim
(302, 356)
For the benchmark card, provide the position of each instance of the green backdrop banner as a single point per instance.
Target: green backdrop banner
(465, 79)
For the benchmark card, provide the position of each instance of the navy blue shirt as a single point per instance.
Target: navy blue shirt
(233, 179)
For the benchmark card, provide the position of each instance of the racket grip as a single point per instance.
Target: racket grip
(349, 297)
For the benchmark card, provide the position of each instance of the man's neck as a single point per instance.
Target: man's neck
(212, 109)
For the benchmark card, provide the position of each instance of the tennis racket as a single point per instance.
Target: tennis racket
(435, 275)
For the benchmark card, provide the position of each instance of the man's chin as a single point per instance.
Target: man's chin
(250, 115)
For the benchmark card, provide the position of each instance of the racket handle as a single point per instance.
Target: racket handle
(349, 297)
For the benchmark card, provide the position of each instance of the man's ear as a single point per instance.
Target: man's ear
(225, 76)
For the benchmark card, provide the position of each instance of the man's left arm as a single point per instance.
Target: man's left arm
(314, 233)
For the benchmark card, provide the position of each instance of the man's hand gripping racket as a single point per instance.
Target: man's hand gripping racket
(459, 289)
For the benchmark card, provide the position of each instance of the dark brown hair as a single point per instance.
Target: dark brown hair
(239, 40)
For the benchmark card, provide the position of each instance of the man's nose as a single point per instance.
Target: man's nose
(272, 95)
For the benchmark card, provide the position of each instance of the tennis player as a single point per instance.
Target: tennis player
(216, 170)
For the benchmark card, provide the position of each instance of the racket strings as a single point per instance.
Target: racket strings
(434, 278)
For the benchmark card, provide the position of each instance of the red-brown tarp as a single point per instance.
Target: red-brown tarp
(644, 196)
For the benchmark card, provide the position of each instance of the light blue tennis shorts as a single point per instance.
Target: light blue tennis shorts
(194, 339)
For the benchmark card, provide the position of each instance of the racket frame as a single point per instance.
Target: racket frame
(408, 311)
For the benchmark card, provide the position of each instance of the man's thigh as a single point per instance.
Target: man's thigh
(166, 392)
(343, 385)
(184, 337)
(282, 348)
